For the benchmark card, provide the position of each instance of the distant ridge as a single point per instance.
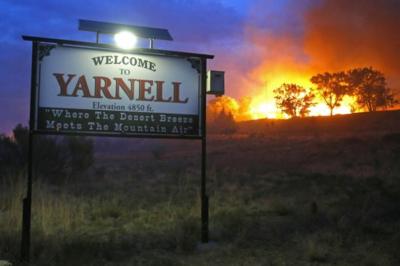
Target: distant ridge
(357, 123)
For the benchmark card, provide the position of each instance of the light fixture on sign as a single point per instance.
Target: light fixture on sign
(130, 32)
(125, 39)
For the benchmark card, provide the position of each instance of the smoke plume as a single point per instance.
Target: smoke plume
(341, 34)
(300, 38)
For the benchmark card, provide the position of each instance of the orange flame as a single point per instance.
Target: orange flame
(263, 104)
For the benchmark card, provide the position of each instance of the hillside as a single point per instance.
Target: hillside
(351, 124)
(313, 191)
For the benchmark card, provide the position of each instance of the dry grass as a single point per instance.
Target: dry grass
(274, 200)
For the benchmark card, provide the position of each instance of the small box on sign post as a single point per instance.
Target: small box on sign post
(215, 82)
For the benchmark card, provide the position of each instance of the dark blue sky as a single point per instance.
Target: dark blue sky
(244, 35)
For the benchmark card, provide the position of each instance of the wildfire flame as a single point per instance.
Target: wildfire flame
(287, 54)
(278, 70)
(263, 105)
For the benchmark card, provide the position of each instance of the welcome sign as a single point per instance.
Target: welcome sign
(102, 92)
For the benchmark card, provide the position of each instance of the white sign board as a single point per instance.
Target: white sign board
(95, 91)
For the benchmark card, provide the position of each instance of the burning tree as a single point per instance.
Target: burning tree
(293, 99)
(238, 109)
(331, 87)
(223, 104)
(221, 115)
(370, 89)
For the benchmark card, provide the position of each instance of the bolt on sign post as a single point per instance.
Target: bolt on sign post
(91, 89)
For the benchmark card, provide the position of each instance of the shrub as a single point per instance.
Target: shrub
(53, 156)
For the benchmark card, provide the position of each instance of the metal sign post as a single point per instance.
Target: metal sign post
(204, 197)
(27, 201)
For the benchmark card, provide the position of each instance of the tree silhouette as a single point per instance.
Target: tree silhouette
(293, 99)
(331, 87)
(370, 88)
